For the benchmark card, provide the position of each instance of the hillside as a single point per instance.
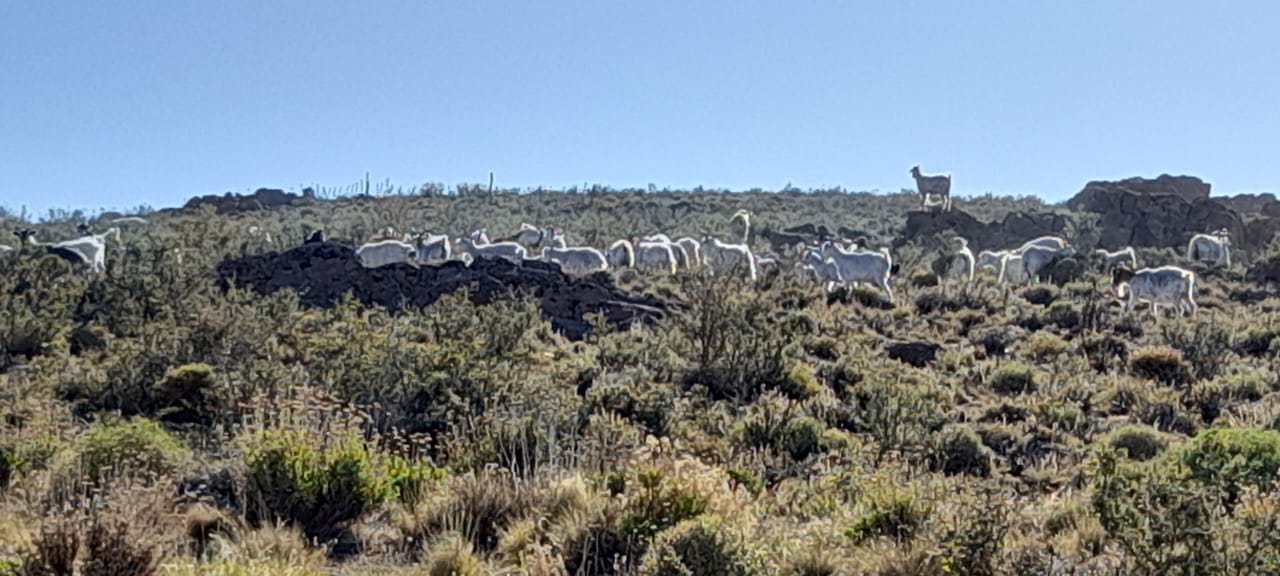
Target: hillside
(227, 402)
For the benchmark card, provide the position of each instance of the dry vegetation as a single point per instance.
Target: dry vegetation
(151, 423)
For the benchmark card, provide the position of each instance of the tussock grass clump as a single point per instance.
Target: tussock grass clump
(453, 555)
(703, 546)
(1139, 442)
(1161, 364)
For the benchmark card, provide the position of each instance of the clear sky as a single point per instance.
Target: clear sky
(116, 104)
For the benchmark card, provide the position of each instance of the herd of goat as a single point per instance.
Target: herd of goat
(831, 263)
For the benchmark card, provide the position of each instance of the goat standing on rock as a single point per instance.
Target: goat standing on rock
(932, 184)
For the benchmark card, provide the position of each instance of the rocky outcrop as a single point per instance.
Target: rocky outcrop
(323, 273)
(1251, 203)
(1016, 228)
(1188, 188)
(261, 199)
(1163, 212)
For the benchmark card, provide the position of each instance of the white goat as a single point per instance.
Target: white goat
(819, 268)
(1164, 285)
(693, 250)
(1011, 269)
(509, 251)
(721, 258)
(657, 256)
(529, 236)
(259, 233)
(621, 254)
(90, 250)
(1125, 257)
(678, 250)
(1033, 259)
(1052, 242)
(532, 237)
(1214, 247)
(872, 267)
(385, 252)
(992, 259)
(962, 261)
(432, 248)
(935, 184)
(575, 261)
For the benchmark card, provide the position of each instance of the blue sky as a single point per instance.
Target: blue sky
(116, 104)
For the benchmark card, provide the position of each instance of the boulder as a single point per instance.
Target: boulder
(918, 354)
(322, 273)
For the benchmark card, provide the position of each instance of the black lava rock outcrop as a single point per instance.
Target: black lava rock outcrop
(322, 273)
(1160, 212)
(261, 199)
(1016, 228)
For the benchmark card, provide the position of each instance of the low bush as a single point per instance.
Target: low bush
(1013, 379)
(702, 546)
(959, 450)
(1139, 442)
(1161, 364)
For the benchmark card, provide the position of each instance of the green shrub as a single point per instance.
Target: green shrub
(802, 437)
(1161, 364)
(138, 448)
(822, 347)
(661, 495)
(187, 394)
(1105, 352)
(1231, 459)
(702, 546)
(1012, 379)
(898, 517)
(648, 404)
(1062, 415)
(1140, 442)
(1064, 315)
(318, 484)
(1045, 346)
(800, 381)
(959, 450)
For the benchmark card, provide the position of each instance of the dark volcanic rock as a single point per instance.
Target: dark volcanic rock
(261, 199)
(1188, 188)
(1250, 203)
(322, 273)
(1016, 228)
(1159, 213)
(918, 354)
